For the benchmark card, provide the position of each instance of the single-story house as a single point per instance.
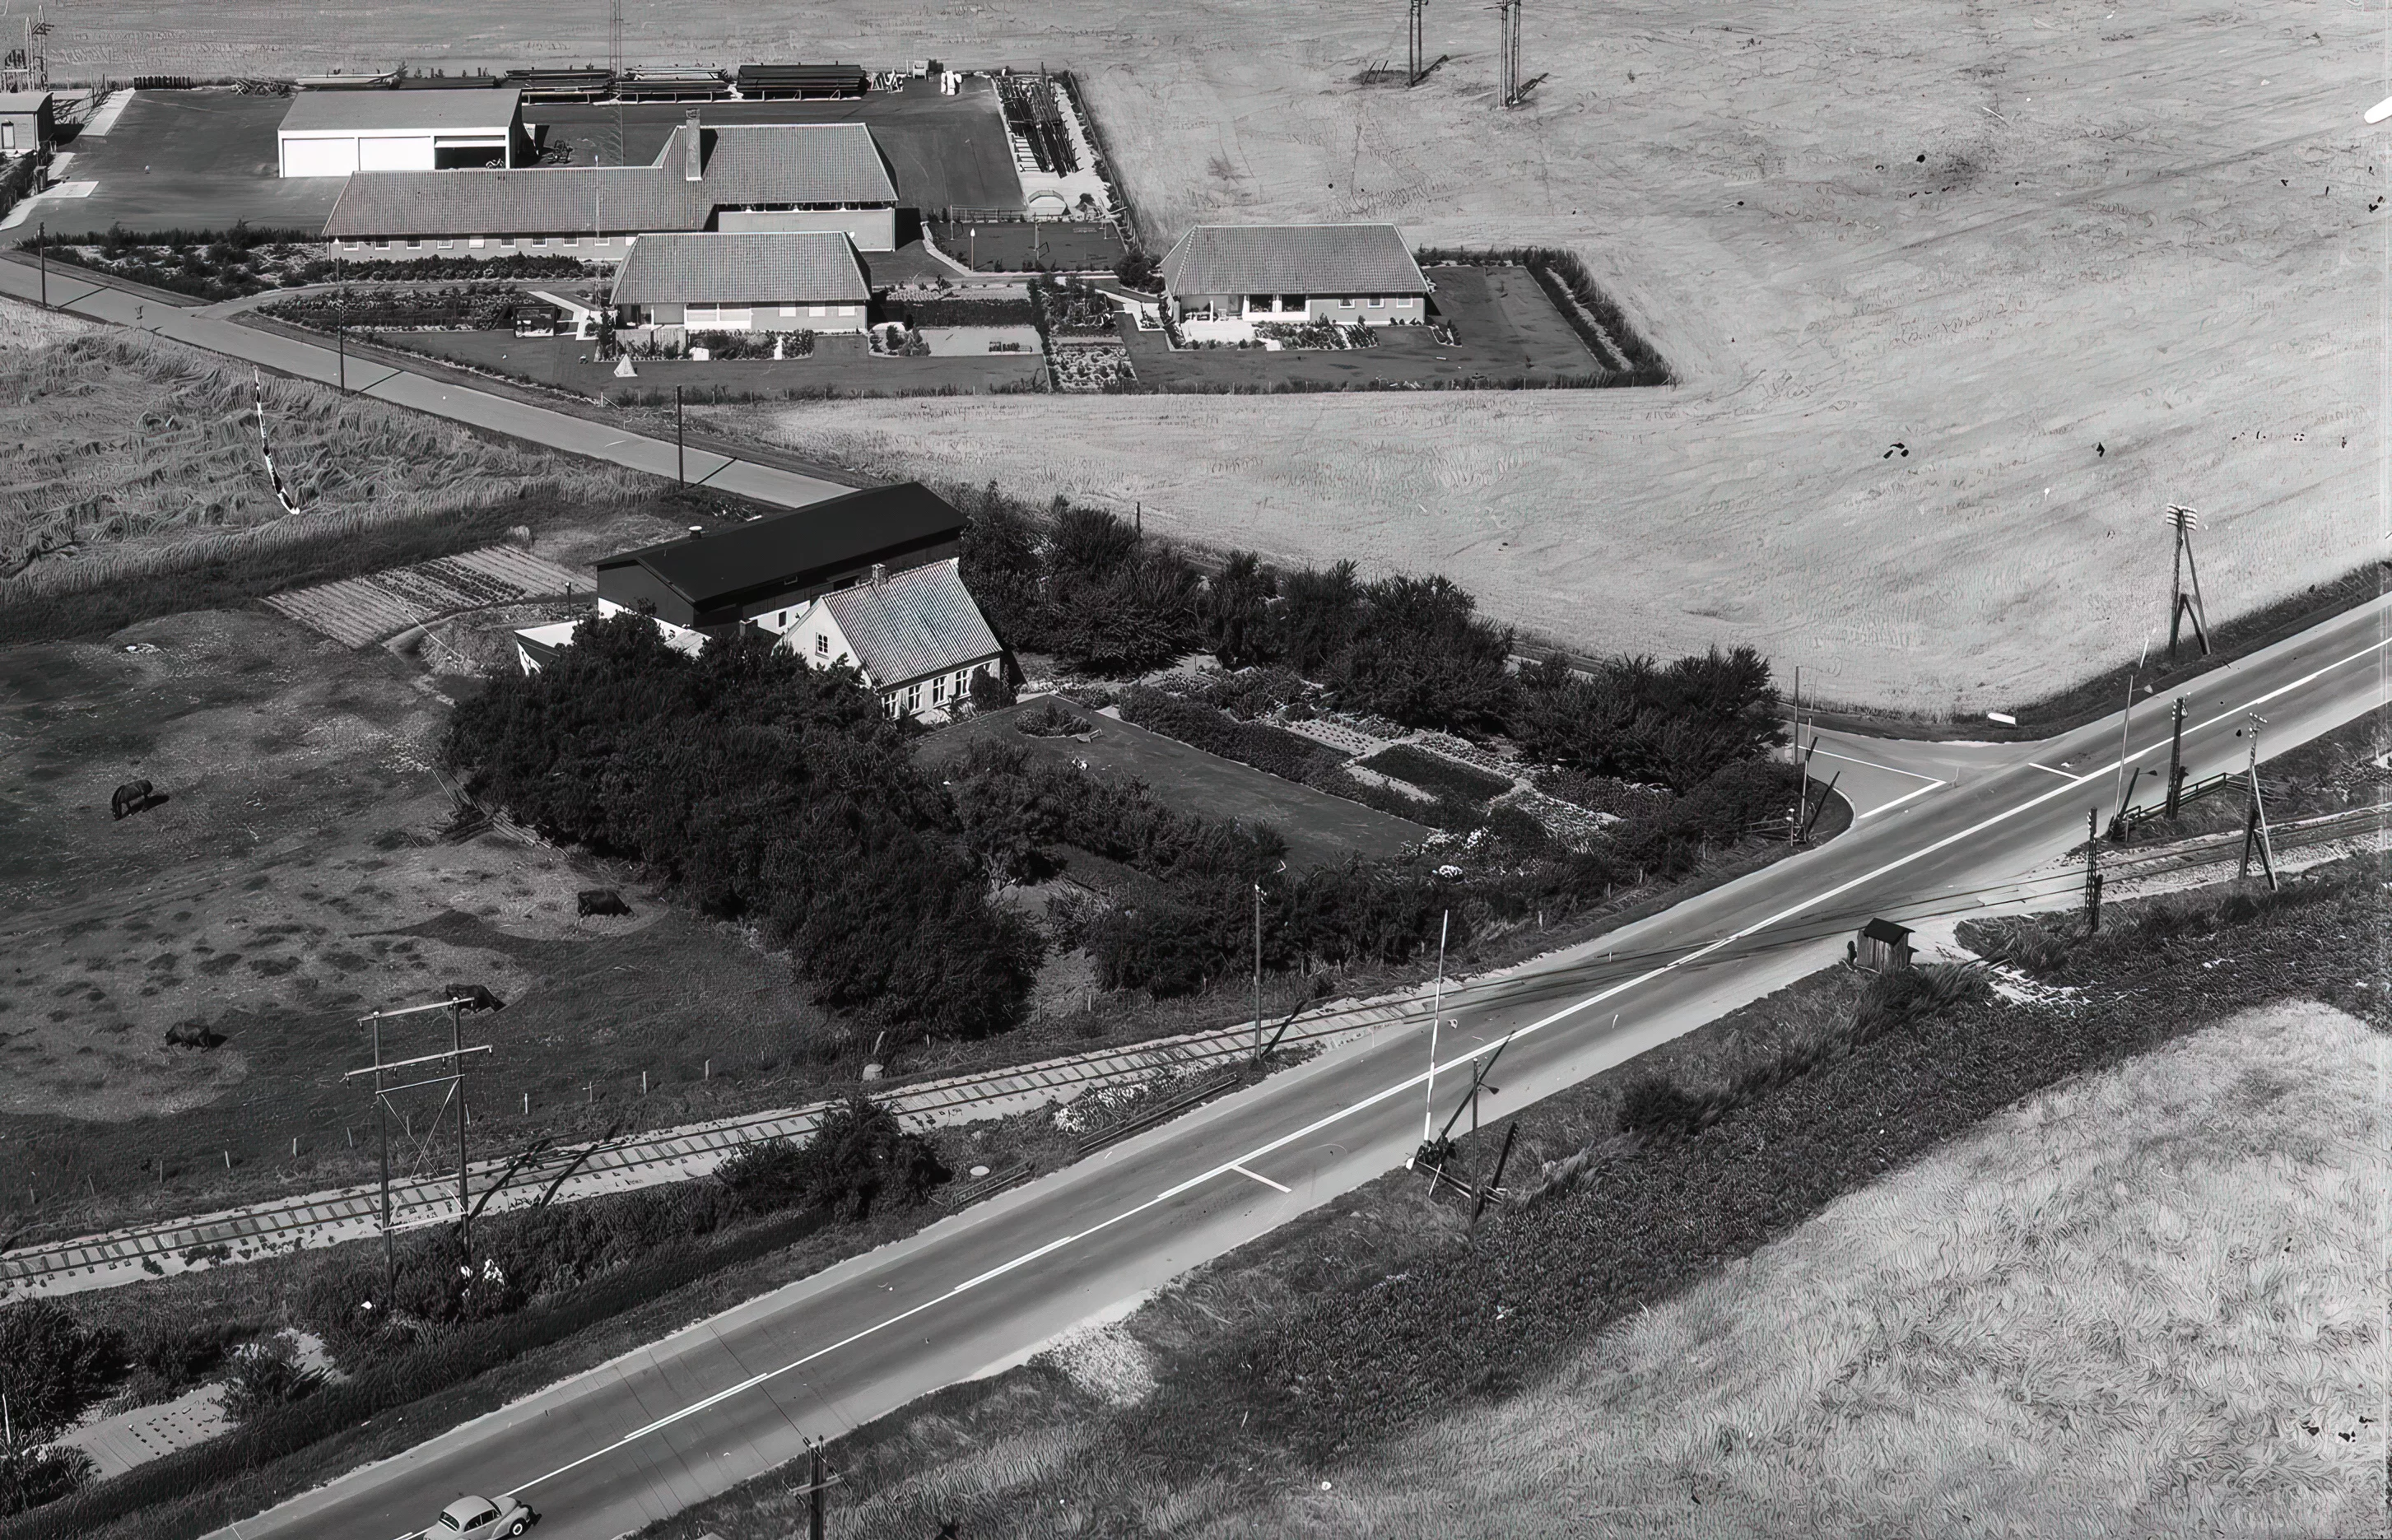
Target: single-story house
(1295, 273)
(340, 133)
(738, 177)
(916, 637)
(743, 282)
(767, 569)
(27, 123)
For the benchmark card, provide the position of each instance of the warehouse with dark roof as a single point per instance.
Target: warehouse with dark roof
(1350, 274)
(747, 282)
(746, 177)
(766, 569)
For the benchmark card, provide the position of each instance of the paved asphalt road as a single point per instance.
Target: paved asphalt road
(484, 409)
(734, 1396)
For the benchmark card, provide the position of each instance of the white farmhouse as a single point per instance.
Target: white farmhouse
(916, 637)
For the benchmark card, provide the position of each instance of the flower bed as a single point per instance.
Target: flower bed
(1436, 774)
(459, 308)
(1093, 369)
(1322, 333)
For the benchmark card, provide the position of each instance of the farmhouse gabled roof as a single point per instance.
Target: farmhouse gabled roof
(1293, 259)
(22, 101)
(804, 545)
(741, 267)
(835, 164)
(490, 110)
(912, 624)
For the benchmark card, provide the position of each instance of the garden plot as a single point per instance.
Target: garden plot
(359, 612)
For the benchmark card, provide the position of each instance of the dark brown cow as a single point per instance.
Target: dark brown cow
(602, 900)
(131, 797)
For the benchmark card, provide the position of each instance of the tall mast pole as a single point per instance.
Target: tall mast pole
(1435, 1018)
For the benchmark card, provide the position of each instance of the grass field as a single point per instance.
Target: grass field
(2136, 1304)
(1998, 239)
(130, 449)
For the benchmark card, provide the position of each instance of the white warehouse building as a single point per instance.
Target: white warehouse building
(338, 133)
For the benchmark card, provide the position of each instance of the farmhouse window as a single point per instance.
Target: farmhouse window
(847, 310)
(816, 310)
(890, 702)
(7, 137)
(912, 698)
(478, 243)
(572, 240)
(540, 241)
(1346, 303)
(1378, 304)
(448, 245)
(506, 241)
(414, 245)
(939, 691)
(822, 645)
(789, 310)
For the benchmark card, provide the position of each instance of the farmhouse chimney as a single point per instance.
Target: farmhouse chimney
(879, 573)
(693, 163)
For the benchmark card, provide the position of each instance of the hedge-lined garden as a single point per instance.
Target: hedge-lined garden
(223, 265)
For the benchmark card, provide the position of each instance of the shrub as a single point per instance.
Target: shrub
(1288, 755)
(1601, 793)
(51, 1364)
(1433, 773)
(169, 1357)
(31, 1474)
(1050, 720)
(1236, 609)
(860, 1155)
(762, 787)
(1422, 656)
(266, 1374)
(1633, 719)
(990, 691)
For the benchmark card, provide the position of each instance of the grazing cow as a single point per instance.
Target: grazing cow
(602, 900)
(477, 997)
(131, 797)
(192, 1034)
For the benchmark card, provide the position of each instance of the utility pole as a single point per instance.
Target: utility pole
(681, 451)
(1258, 970)
(1508, 52)
(2092, 872)
(2126, 782)
(340, 322)
(2176, 760)
(454, 1079)
(1416, 48)
(1794, 753)
(2254, 817)
(42, 250)
(2184, 521)
(1435, 1018)
(814, 1494)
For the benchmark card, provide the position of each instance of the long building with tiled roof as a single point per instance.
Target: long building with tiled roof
(747, 177)
(1295, 273)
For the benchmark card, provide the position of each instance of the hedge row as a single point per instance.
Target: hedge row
(1434, 772)
(1288, 755)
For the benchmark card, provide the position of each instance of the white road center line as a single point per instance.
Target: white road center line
(1264, 1179)
(2048, 770)
(1401, 1087)
(1871, 764)
(1889, 807)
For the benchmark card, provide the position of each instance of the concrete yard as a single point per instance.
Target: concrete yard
(190, 161)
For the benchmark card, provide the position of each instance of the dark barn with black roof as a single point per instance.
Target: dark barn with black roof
(715, 580)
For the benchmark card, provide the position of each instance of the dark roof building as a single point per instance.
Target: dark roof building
(1298, 270)
(766, 568)
(705, 178)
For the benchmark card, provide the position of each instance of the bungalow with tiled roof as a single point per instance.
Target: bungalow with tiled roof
(743, 282)
(1350, 274)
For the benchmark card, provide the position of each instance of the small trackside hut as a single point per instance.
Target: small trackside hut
(1882, 947)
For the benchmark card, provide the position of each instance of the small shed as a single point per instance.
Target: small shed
(27, 123)
(1884, 947)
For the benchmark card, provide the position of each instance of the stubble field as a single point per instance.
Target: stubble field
(2079, 262)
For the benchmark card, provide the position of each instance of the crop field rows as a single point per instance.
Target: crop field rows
(359, 612)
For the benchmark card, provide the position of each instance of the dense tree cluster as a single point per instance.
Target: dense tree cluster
(766, 789)
(1638, 720)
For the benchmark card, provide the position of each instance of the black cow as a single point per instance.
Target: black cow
(602, 900)
(477, 997)
(132, 798)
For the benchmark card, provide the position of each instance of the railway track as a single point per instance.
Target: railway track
(620, 1164)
